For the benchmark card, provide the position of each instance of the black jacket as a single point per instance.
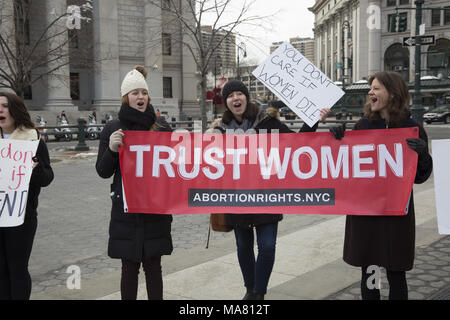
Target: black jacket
(132, 236)
(387, 241)
(41, 177)
(268, 120)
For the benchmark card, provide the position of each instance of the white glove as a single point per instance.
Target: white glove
(115, 140)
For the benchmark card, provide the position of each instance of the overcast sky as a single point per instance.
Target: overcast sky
(292, 19)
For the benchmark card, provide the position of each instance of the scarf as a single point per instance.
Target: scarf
(136, 120)
(22, 133)
(245, 125)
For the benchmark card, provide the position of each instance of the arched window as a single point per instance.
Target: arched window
(396, 58)
(438, 58)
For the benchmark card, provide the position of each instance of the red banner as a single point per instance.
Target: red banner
(368, 172)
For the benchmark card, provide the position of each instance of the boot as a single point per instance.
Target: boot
(258, 296)
(248, 295)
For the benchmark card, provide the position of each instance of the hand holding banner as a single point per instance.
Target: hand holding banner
(298, 83)
(15, 174)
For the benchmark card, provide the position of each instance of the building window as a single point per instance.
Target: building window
(22, 23)
(73, 39)
(391, 3)
(447, 16)
(28, 93)
(75, 86)
(404, 2)
(436, 17)
(166, 44)
(167, 87)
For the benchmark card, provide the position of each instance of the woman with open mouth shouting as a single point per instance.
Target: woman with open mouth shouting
(16, 243)
(134, 238)
(243, 114)
(386, 241)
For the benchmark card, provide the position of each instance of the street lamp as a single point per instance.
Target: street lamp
(242, 47)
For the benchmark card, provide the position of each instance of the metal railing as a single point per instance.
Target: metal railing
(189, 125)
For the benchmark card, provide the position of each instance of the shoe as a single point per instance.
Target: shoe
(248, 295)
(257, 296)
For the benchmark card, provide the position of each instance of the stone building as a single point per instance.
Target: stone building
(117, 35)
(356, 33)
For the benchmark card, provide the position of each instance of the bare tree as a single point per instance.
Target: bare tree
(224, 17)
(28, 53)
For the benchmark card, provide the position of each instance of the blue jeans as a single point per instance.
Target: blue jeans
(257, 272)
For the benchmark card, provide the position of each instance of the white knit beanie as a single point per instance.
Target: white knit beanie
(133, 80)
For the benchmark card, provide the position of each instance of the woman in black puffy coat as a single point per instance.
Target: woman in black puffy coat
(134, 238)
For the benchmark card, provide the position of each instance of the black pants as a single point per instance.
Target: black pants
(398, 289)
(15, 250)
(153, 279)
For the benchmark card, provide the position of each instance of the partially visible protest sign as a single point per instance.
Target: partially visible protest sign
(16, 166)
(298, 83)
(368, 172)
(441, 172)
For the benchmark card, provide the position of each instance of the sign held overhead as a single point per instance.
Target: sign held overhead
(298, 83)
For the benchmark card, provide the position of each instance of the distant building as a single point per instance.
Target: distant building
(357, 34)
(304, 45)
(225, 55)
(255, 87)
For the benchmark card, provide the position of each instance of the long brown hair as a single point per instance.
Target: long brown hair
(399, 97)
(17, 110)
(251, 111)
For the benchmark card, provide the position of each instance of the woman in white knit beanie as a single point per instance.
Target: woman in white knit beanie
(134, 238)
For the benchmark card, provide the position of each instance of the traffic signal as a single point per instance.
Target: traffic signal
(350, 63)
(402, 23)
(393, 23)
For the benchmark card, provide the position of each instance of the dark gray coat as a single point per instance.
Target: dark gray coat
(268, 120)
(387, 241)
(132, 236)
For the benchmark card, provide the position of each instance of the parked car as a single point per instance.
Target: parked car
(287, 113)
(439, 114)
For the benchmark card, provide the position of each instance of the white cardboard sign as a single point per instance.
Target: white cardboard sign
(298, 83)
(441, 172)
(16, 166)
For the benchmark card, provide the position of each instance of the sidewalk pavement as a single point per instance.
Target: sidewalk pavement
(308, 265)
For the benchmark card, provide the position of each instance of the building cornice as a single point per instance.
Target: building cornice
(317, 6)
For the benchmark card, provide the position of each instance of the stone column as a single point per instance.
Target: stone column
(332, 48)
(374, 45)
(355, 36)
(58, 79)
(106, 55)
(153, 49)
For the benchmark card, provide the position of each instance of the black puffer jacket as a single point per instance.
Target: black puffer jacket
(132, 236)
(267, 119)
